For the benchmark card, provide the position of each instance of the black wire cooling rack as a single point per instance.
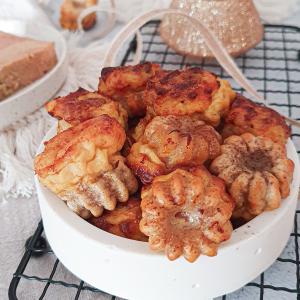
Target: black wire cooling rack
(274, 69)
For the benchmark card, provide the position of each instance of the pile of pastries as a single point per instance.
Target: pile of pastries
(173, 158)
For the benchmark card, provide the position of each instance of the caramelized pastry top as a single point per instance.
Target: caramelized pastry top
(83, 105)
(127, 84)
(170, 142)
(189, 91)
(247, 116)
(82, 165)
(186, 213)
(81, 150)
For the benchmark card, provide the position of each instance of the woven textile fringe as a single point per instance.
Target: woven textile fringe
(18, 144)
(17, 148)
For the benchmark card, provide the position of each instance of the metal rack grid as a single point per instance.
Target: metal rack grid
(274, 68)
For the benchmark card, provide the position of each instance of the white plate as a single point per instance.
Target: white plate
(33, 96)
(128, 269)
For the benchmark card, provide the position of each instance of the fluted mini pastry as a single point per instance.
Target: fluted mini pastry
(170, 142)
(82, 165)
(186, 213)
(256, 171)
(127, 84)
(189, 91)
(247, 116)
(83, 105)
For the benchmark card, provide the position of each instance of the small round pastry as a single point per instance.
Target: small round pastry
(82, 165)
(127, 84)
(256, 171)
(247, 116)
(186, 213)
(70, 11)
(123, 221)
(170, 142)
(187, 92)
(83, 105)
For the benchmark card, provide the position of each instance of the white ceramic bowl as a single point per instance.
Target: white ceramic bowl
(128, 269)
(33, 96)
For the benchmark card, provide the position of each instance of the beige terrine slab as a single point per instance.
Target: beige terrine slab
(30, 98)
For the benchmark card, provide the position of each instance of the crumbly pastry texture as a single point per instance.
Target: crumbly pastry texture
(256, 171)
(247, 116)
(189, 91)
(170, 142)
(186, 213)
(127, 85)
(83, 105)
(82, 165)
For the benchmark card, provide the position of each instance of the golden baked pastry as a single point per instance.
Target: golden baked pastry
(83, 105)
(247, 116)
(186, 213)
(127, 84)
(256, 171)
(170, 142)
(187, 92)
(123, 221)
(82, 165)
(70, 11)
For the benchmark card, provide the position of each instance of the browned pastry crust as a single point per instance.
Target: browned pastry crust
(123, 221)
(70, 11)
(83, 105)
(82, 165)
(170, 142)
(187, 92)
(256, 171)
(247, 116)
(186, 213)
(127, 84)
